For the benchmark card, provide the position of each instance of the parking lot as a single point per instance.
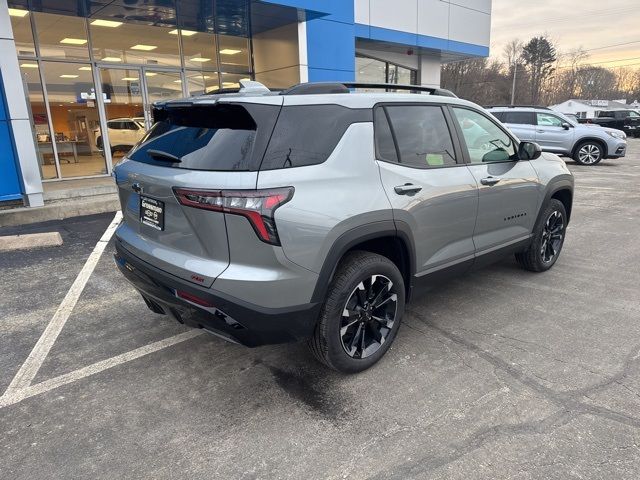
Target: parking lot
(499, 374)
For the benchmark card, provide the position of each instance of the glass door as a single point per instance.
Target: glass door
(122, 95)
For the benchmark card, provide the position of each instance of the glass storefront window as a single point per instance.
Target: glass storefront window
(163, 85)
(370, 70)
(117, 42)
(234, 54)
(46, 159)
(231, 80)
(74, 116)
(202, 82)
(61, 36)
(199, 49)
(22, 34)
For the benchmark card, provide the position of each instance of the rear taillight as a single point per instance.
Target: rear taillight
(258, 206)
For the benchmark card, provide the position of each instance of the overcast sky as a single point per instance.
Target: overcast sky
(571, 24)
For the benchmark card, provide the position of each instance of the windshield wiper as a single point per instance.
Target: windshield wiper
(160, 155)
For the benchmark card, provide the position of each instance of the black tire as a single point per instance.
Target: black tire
(99, 142)
(536, 257)
(339, 325)
(588, 153)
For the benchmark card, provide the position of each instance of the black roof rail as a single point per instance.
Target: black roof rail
(517, 106)
(312, 88)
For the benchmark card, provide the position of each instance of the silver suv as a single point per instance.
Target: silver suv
(316, 213)
(587, 144)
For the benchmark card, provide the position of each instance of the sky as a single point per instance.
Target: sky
(590, 24)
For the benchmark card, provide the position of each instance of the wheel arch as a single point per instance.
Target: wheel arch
(597, 140)
(382, 238)
(562, 190)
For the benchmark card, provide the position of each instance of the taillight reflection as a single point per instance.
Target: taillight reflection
(258, 206)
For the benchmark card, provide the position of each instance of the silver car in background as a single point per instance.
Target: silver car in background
(559, 134)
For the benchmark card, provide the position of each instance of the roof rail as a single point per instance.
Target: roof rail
(345, 87)
(517, 106)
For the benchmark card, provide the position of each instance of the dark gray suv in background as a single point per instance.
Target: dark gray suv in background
(317, 213)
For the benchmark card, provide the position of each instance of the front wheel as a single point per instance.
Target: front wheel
(548, 238)
(588, 153)
(361, 314)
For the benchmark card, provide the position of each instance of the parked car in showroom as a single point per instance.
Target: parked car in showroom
(557, 133)
(317, 213)
(124, 133)
(625, 120)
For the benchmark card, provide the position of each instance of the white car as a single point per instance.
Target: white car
(124, 133)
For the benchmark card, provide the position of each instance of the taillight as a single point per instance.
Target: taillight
(258, 206)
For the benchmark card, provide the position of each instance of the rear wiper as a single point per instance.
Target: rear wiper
(160, 155)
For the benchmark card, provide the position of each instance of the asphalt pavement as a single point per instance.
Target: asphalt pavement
(498, 374)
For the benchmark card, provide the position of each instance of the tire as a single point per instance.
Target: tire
(589, 153)
(537, 257)
(348, 322)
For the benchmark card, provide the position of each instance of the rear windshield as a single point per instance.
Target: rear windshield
(220, 137)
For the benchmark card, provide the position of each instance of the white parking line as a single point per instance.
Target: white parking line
(20, 387)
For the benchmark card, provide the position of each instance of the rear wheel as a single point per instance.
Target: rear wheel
(548, 238)
(361, 314)
(588, 153)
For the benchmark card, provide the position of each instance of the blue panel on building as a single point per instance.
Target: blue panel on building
(9, 181)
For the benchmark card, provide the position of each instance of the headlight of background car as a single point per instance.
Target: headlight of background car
(620, 135)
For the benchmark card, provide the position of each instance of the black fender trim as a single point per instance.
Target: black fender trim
(563, 183)
(363, 233)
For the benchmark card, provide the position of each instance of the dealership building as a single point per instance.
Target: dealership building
(78, 77)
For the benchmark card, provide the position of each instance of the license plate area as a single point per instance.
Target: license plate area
(152, 212)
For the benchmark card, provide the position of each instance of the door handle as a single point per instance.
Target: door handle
(407, 189)
(490, 180)
(540, 131)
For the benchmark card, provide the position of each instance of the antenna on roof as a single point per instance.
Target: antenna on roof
(251, 86)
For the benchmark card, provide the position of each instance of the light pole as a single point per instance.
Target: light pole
(513, 86)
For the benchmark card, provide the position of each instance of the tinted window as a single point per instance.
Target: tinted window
(203, 138)
(422, 135)
(114, 125)
(498, 115)
(521, 118)
(385, 147)
(485, 141)
(547, 120)
(307, 135)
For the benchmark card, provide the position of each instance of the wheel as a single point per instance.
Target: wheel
(99, 142)
(588, 153)
(548, 238)
(361, 314)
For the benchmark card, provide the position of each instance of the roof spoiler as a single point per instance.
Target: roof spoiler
(313, 88)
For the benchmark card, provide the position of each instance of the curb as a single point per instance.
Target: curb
(59, 210)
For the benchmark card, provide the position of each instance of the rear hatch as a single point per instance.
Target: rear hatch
(193, 146)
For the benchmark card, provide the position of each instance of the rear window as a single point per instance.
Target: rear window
(216, 137)
(306, 135)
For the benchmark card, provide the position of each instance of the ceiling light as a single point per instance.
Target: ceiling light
(229, 51)
(73, 41)
(146, 48)
(206, 77)
(106, 23)
(68, 76)
(18, 12)
(229, 84)
(130, 79)
(85, 69)
(29, 65)
(185, 33)
(150, 74)
(200, 59)
(177, 81)
(112, 59)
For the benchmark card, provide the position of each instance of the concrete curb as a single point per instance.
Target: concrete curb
(59, 210)
(30, 240)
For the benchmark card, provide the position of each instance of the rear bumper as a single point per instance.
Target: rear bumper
(229, 317)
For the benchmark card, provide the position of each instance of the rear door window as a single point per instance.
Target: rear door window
(422, 135)
(519, 118)
(547, 120)
(214, 137)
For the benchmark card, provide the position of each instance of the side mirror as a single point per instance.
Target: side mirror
(566, 126)
(529, 151)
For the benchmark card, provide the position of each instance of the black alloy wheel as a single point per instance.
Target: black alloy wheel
(552, 236)
(368, 316)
